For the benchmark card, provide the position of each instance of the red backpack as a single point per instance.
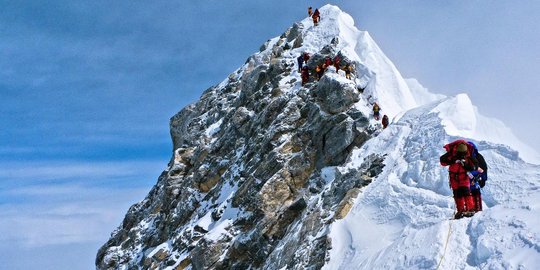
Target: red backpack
(452, 147)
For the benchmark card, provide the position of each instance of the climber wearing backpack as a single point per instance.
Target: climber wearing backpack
(478, 178)
(337, 61)
(327, 62)
(300, 60)
(459, 158)
(309, 11)
(385, 121)
(306, 57)
(316, 17)
(348, 69)
(319, 70)
(305, 75)
(376, 111)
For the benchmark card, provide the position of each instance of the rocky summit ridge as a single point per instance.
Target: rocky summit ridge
(251, 183)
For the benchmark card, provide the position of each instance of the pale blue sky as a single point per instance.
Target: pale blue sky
(87, 89)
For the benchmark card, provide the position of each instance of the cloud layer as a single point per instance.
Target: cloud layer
(62, 205)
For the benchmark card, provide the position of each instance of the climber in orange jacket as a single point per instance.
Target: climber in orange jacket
(376, 111)
(348, 70)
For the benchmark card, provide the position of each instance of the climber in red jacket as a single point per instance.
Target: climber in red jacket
(384, 121)
(316, 17)
(305, 75)
(337, 61)
(459, 158)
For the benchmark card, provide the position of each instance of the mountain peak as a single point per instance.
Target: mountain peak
(382, 81)
(269, 172)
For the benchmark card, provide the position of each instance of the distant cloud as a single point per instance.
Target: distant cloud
(59, 203)
(73, 221)
(35, 172)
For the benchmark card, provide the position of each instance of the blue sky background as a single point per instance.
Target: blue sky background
(87, 89)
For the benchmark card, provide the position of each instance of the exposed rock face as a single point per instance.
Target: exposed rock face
(334, 101)
(251, 183)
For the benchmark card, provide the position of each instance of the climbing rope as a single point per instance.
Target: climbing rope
(445, 244)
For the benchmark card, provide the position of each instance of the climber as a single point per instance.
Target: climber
(306, 57)
(300, 60)
(305, 75)
(385, 121)
(316, 17)
(348, 69)
(319, 70)
(337, 60)
(460, 161)
(478, 178)
(376, 111)
(309, 11)
(327, 62)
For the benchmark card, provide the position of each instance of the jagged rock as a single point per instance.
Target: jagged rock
(206, 254)
(299, 169)
(183, 264)
(275, 194)
(319, 57)
(337, 140)
(160, 255)
(298, 42)
(336, 96)
(241, 116)
(179, 124)
(206, 183)
(277, 230)
(294, 32)
(346, 204)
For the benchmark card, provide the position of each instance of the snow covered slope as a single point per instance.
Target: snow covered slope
(401, 220)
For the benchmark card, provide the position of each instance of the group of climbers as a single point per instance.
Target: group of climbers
(316, 16)
(467, 170)
(321, 68)
(467, 167)
(377, 115)
(302, 59)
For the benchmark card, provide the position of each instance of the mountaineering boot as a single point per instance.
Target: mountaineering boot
(458, 215)
(468, 214)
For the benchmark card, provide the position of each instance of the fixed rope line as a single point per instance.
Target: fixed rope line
(445, 244)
